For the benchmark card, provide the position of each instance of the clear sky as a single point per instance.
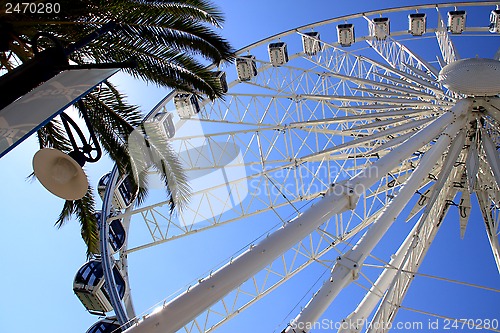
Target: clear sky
(38, 262)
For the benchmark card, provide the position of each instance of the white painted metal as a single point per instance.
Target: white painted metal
(417, 24)
(357, 319)
(446, 45)
(472, 77)
(491, 155)
(428, 227)
(181, 310)
(325, 117)
(490, 224)
(346, 269)
(456, 21)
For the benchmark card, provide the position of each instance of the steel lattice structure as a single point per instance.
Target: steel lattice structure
(333, 145)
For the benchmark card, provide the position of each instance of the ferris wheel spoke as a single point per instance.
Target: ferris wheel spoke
(491, 155)
(398, 55)
(394, 140)
(490, 224)
(293, 142)
(307, 252)
(448, 50)
(404, 88)
(287, 79)
(303, 98)
(154, 216)
(429, 188)
(402, 102)
(413, 251)
(446, 169)
(163, 227)
(406, 256)
(390, 93)
(265, 109)
(345, 270)
(311, 250)
(257, 144)
(382, 124)
(268, 249)
(414, 256)
(397, 111)
(295, 182)
(411, 126)
(405, 81)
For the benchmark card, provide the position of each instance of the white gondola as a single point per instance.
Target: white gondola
(89, 287)
(106, 325)
(345, 34)
(186, 104)
(381, 28)
(162, 122)
(278, 54)
(246, 67)
(125, 191)
(311, 43)
(495, 21)
(456, 21)
(417, 24)
(221, 77)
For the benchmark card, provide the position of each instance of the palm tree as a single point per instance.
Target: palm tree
(172, 43)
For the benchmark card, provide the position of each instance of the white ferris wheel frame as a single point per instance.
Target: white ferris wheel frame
(393, 159)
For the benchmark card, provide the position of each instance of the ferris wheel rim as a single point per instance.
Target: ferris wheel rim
(357, 15)
(170, 96)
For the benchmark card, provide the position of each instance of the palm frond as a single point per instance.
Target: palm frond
(166, 162)
(52, 135)
(85, 213)
(173, 43)
(154, 12)
(159, 34)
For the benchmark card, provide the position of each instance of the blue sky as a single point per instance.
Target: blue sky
(38, 261)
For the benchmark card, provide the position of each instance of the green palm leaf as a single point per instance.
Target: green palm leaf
(173, 44)
(85, 213)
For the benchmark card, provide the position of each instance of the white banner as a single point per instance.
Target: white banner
(27, 114)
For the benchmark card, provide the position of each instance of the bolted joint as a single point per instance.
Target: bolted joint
(346, 189)
(351, 264)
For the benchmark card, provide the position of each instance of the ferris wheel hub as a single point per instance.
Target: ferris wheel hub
(472, 77)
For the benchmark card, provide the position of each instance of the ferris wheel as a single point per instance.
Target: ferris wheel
(340, 150)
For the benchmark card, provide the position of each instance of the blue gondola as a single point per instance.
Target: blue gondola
(107, 325)
(125, 190)
(89, 287)
(117, 233)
